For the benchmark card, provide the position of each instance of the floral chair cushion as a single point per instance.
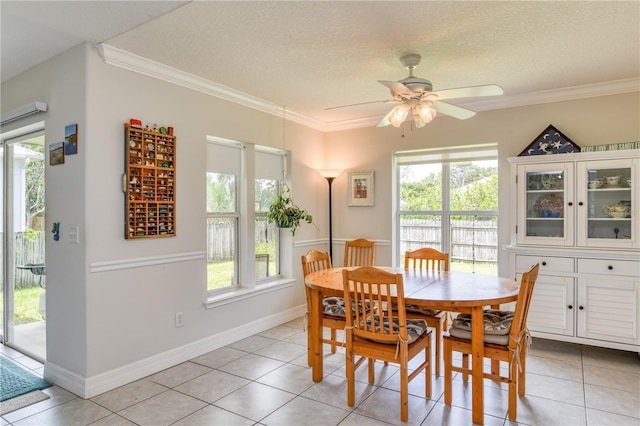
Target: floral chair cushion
(415, 309)
(335, 307)
(415, 327)
(497, 325)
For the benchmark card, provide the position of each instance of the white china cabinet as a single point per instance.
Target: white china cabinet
(578, 216)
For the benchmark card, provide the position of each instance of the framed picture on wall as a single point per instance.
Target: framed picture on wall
(56, 153)
(360, 187)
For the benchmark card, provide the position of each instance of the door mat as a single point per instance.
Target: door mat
(22, 401)
(16, 381)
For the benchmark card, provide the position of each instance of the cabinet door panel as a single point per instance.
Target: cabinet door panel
(545, 204)
(608, 309)
(552, 305)
(606, 204)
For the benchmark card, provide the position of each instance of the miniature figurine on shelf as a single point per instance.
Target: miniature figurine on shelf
(155, 127)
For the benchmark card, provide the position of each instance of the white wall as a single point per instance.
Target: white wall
(111, 301)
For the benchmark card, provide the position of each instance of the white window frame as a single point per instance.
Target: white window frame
(436, 156)
(248, 286)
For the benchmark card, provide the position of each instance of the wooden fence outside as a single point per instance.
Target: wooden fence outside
(471, 240)
(220, 239)
(29, 251)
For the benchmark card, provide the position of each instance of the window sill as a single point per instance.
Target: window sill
(246, 293)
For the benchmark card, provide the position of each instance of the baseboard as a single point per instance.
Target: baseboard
(96, 385)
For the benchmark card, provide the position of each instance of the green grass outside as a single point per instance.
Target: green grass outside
(27, 305)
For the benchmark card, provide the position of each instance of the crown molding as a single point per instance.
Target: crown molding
(126, 60)
(614, 87)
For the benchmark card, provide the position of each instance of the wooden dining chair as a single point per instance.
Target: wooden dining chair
(433, 260)
(372, 335)
(503, 342)
(334, 314)
(359, 252)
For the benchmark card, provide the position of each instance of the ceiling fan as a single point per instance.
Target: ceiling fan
(416, 95)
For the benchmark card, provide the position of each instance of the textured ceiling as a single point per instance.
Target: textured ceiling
(313, 55)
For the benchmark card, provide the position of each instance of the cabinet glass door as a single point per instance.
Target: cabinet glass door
(546, 220)
(606, 213)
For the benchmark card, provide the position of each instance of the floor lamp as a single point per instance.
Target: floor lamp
(330, 175)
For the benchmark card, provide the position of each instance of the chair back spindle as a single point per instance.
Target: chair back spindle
(359, 252)
(426, 258)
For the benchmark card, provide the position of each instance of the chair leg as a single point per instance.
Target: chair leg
(513, 402)
(465, 364)
(309, 355)
(350, 379)
(333, 340)
(404, 390)
(522, 373)
(427, 371)
(448, 359)
(372, 370)
(439, 329)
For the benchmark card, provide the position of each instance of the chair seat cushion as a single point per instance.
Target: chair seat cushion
(497, 325)
(496, 339)
(334, 307)
(415, 309)
(415, 327)
(495, 322)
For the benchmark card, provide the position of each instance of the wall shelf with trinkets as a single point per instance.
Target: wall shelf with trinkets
(149, 183)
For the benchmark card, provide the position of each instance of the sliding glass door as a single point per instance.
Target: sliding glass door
(23, 243)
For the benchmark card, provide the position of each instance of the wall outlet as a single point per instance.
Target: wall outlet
(179, 319)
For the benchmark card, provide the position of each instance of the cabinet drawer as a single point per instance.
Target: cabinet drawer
(547, 263)
(609, 267)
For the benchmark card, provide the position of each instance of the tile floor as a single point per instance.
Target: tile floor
(264, 380)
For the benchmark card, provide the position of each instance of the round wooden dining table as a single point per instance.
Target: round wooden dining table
(449, 291)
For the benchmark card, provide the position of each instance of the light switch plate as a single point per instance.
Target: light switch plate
(74, 234)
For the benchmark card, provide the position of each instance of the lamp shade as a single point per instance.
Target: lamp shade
(329, 173)
(425, 111)
(399, 114)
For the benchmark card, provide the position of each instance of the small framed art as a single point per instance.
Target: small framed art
(361, 189)
(71, 139)
(56, 153)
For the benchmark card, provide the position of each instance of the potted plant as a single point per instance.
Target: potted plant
(286, 214)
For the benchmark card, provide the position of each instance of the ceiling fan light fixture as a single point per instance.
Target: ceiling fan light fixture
(399, 114)
(425, 111)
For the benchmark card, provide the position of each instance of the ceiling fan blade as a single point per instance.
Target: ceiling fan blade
(468, 92)
(385, 120)
(362, 103)
(397, 88)
(453, 110)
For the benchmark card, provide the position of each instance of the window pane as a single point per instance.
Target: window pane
(474, 186)
(417, 231)
(221, 193)
(421, 187)
(474, 244)
(462, 199)
(266, 194)
(221, 252)
(222, 231)
(267, 234)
